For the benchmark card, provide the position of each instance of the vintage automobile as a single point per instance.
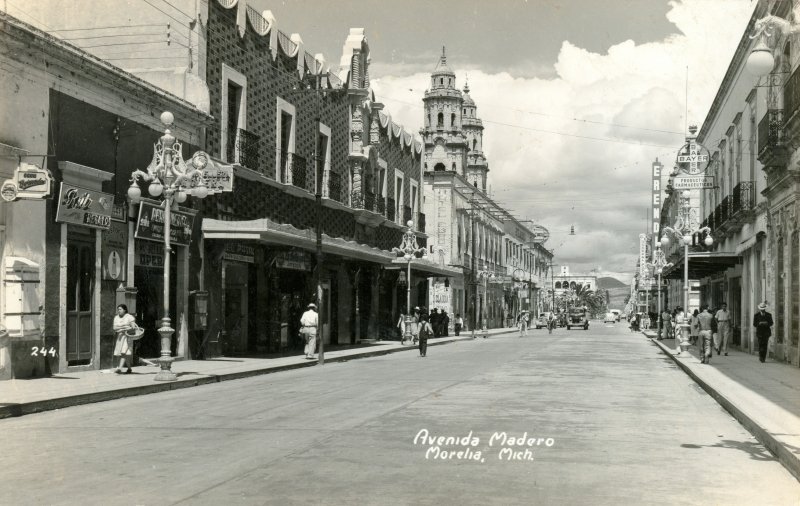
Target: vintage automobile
(610, 317)
(576, 317)
(541, 322)
(616, 313)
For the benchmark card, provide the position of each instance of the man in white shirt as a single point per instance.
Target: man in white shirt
(308, 329)
(723, 329)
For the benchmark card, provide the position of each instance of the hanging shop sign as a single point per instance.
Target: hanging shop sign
(119, 212)
(114, 250)
(29, 183)
(238, 252)
(80, 206)
(294, 260)
(217, 177)
(656, 203)
(148, 254)
(693, 157)
(693, 183)
(150, 224)
(642, 256)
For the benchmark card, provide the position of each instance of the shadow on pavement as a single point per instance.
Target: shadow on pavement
(756, 450)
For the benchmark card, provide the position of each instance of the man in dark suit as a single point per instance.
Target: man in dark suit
(762, 321)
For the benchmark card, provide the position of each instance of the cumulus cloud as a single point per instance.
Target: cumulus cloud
(576, 149)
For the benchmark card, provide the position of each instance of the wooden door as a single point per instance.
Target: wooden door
(80, 302)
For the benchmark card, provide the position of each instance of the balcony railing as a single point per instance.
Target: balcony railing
(335, 186)
(743, 198)
(390, 209)
(357, 200)
(407, 215)
(721, 213)
(380, 205)
(770, 130)
(243, 147)
(791, 94)
(293, 170)
(369, 201)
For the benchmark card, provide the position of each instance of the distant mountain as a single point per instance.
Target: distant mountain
(608, 283)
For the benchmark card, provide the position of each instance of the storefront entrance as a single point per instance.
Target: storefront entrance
(80, 299)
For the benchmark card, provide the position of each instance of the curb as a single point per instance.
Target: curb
(784, 455)
(27, 408)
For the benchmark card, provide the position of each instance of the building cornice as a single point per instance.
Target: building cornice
(94, 67)
(741, 54)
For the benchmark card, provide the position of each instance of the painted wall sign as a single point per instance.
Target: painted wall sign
(150, 224)
(29, 182)
(238, 252)
(148, 254)
(80, 206)
(114, 251)
(693, 182)
(295, 260)
(656, 203)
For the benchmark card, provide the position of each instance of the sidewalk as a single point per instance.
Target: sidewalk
(765, 398)
(24, 396)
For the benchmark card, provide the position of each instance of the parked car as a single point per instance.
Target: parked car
(541, 322)
(577, 318)
(610, 317)
(617, 313)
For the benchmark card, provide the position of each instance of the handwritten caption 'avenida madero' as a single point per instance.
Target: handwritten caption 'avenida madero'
(510, 447)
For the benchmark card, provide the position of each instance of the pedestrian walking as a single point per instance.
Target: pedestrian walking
(551, 323)
(308, 329)
(762, 321)
(123, 348)
(401, 326)
(415, 317)
(445, 324)
(522, 323)
(724, 329)
(435, 322)
(704, 323)
(459, 324)
(425, 331)
(666, 325)
(695, 327)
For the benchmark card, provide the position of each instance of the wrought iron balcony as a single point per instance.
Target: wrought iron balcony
(369, 201)
(335, 186)
(243, 147)
(770, 133)
(380, 205)
(390, 209)
(294, 171)
(407, 215)
(743, 204)
(721, 215)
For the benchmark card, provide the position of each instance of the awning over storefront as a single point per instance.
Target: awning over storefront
(702, 264)
(430, 268)
(269, 232)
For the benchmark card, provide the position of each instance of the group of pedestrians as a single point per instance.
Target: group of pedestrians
(423, 325)
(710, 329)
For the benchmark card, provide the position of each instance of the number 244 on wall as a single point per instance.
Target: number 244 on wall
(43, 352)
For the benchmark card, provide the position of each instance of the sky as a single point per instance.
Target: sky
(578, 98)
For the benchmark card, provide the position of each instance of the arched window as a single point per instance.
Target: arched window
(474, 144)
(572, 285)
(441, 81)
(453, 120)
(438, 166)
(440, 120)
(558, 284)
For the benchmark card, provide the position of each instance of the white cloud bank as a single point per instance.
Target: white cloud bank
(633, 97)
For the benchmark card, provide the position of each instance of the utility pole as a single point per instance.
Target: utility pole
(318, 170)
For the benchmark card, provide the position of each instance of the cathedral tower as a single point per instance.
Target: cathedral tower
(477, 167)
(445, 143)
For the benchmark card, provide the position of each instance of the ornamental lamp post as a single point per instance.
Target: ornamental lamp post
(686, 226)
(485, 274)
(169, 174)
(409, 250)
(658, 265)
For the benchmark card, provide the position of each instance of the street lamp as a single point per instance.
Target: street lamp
(658, 265)
(408, 250)
(686, 226)
(485, 274)
(530, 284)
(169, 174)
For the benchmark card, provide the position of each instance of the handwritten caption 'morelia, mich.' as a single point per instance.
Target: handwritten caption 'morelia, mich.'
(468, 447)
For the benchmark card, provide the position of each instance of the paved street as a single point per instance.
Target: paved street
(606, 418)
